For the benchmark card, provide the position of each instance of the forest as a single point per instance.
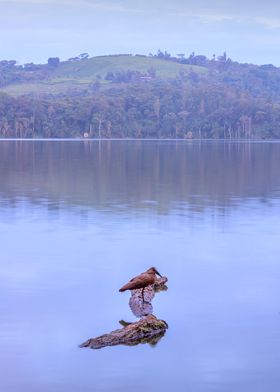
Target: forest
(125, 96)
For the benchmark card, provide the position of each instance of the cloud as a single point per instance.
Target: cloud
(215, 16)
(239, 11)
(110, 6)
(269, 23)
(40, 28)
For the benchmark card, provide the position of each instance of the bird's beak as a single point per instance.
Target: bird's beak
(158, 273)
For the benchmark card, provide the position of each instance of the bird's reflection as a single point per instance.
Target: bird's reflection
(149, 329)
(141, 304)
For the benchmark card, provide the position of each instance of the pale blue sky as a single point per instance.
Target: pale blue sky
(33, 30)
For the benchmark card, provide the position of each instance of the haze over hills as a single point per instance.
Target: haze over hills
(79, 73)
(156, 96)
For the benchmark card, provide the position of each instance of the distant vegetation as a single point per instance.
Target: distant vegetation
(155, 96)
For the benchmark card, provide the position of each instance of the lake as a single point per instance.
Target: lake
(80, 218)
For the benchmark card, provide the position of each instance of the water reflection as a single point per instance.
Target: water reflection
(149, 329)
(140, 301)
(139, 175)
(76, 218)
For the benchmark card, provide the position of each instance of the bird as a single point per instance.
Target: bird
(142, 281)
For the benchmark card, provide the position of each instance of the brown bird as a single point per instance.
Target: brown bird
(141, 281)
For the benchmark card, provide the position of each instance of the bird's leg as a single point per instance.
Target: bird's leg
(143, 289)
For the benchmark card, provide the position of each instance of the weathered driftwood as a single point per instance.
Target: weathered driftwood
(160, 284)
(147, 330)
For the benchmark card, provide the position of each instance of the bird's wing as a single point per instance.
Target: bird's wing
(134, 283)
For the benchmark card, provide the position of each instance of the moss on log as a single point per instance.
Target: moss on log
(147, 330)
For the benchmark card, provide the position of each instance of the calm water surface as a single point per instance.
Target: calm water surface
(79, 219)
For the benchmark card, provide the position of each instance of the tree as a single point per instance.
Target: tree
(223, 58)
(53, 61)
(110, 76)
(84, 56)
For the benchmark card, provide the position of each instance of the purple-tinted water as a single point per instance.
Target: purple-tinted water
(79, 219)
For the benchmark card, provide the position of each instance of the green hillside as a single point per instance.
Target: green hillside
(103, 64)
(79, 74)
(46, 87)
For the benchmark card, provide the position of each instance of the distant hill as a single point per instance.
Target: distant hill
(78, 74)
(91, 68)
(125, 96)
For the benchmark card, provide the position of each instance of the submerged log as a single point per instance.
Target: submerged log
(147, 330)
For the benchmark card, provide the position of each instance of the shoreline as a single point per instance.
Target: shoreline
(227, 141)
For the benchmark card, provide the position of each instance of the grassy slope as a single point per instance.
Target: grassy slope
(80, 73)
(103, 64)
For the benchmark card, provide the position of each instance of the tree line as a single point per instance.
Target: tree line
(230, 100)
